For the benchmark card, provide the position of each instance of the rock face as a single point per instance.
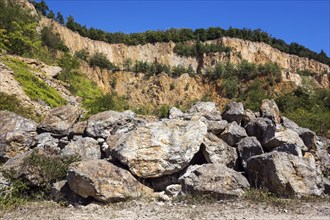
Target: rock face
(103, 181)
(207, 109)
(248, 147)
(213, 179)
(269, 109)
(233, 133)
(16, 135)
(234, 112)
(86, 148)
(59, 120)
(161, 148)
(285, 174)
(217, 151)
(106, 123)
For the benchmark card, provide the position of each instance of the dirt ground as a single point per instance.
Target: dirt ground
(173, 210)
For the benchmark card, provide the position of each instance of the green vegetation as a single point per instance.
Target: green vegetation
(100, 60)
(52, 41)
(34, 87)
(12, 104)
(197, 49)
(310, 109)
(108, 102)
(18, 34)
(50, 168)
(82, 54)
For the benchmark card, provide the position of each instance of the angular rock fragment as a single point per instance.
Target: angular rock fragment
(86, 148)
(248, 147)
(233, 133)
(234, 112)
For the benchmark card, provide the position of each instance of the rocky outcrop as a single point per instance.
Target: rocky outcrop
(16, 135)
(160, 148)
(285, 174)
(215, 180)
(104, 181)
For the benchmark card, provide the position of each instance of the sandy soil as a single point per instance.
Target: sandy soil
(173, 210)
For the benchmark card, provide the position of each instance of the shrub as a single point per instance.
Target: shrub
(52, 41)
(82, 54)
(12, 104)
(108, 102)
(100, 60)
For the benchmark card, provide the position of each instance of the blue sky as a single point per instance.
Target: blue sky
(304, 22)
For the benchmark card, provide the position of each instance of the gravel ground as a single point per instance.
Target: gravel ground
(173, 210)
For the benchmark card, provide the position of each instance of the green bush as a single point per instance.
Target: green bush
(82, 54)
(100, 60)
(198, 49)
(308, 109)
(33, 86)
(108, 102)
(52, 41)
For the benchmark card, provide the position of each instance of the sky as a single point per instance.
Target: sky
(305, 22)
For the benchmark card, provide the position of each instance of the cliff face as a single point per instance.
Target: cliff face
(254, 52)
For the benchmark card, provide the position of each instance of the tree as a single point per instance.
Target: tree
(42, 7)
(59, 18)
(70, 23)
(51, 15)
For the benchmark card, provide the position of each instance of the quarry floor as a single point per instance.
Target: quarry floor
(305, 210)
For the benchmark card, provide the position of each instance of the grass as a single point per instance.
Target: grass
(13, 104)
(32, 85)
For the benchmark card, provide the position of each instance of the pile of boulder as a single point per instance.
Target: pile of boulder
(200, 152)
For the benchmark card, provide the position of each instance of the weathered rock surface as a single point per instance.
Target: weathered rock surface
(269, 109)
(59, 120)
(216, 127)
(160, 148)
(285, 174)
(248, 147)
(86, 148)
(216, 150)
(234, 112)
(290, 149)
(285, 137)
(233, 133)
(107, 123)
(247, 117)
(262, 128)
(213, 179)
(207, 109)
(16, 135)
(78, 128)
(104, 181)
(175, 113)
(173, 190)
(61, 191)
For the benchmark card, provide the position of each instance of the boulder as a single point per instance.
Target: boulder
(160, 148)
(248, 147)
(285, 174)
(234, 112)
(108, 123)
(78, 128)
(160, 183)
(206, 109)
(247, 117)
(284, 137)
(216, 127)
(173, 190)
(103, 181)
(326, 183)
(261, 128)
(309, 137)
(61, 191)
(322, 154)
(16, 135)
(269, 109)
(215, 180)
(233, 133)
(175, 113)
(59, 120)
(216, 150)
(48, 143)
(85, 147)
